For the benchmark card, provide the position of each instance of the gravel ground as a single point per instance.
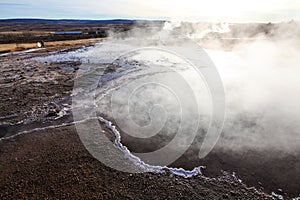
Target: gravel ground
(53, 163)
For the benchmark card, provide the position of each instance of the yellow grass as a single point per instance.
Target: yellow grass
(49, 45)
(26, 32)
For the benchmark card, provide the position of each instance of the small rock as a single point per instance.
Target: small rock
(232, 193)
(27, 69)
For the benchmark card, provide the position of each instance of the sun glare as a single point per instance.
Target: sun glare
(215, 9)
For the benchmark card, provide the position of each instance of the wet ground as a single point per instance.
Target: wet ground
(53, 163)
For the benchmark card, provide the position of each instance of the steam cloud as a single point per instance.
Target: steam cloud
(260, 74)
(260, 70)
(263, 92)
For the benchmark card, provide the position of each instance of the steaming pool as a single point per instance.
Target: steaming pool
(260, 138)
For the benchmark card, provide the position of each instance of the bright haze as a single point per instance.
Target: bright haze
(199, 10)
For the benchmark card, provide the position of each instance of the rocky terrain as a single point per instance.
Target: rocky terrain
(52, 163)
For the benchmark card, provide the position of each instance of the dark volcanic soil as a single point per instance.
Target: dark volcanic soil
(54, 164)
(27, 87)
(268, 171)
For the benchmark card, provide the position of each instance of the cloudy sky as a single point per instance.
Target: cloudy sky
(205, 10)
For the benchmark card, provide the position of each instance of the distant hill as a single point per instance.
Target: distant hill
(71, 21)
(32, 30)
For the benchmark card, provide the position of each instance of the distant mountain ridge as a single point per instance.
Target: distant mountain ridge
(73, 21)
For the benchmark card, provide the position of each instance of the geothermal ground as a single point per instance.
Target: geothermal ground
(49, 161)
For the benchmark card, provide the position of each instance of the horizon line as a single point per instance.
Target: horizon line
(142, 19)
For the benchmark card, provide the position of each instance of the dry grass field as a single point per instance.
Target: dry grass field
(50, 46)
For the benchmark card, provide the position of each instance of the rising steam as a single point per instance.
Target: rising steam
(260, 73)
(259, 67)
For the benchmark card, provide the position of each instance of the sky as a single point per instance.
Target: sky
(183, 10)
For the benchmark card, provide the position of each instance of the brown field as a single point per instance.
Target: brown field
(50, 46)
(32, 32)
